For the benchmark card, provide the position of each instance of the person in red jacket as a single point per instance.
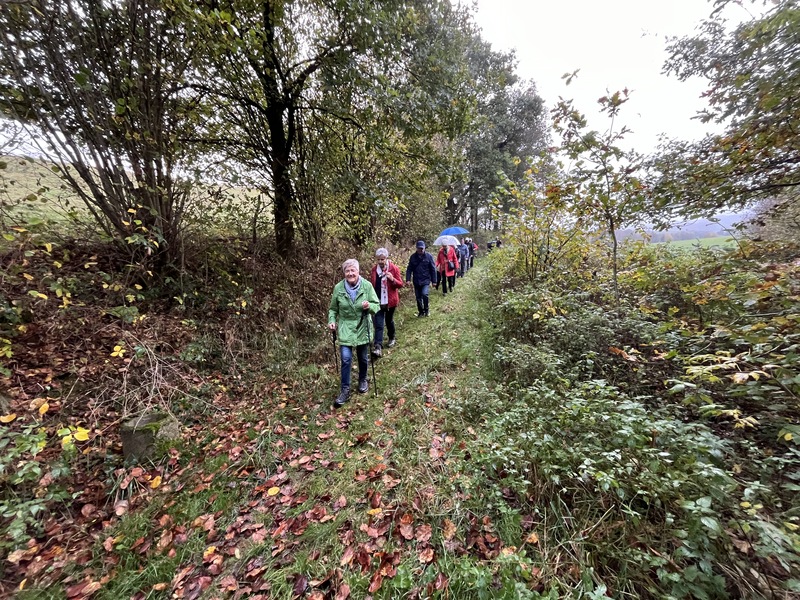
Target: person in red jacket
(386, 279)
(447, 265)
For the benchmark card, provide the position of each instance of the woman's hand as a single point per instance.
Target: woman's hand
(332, 326)
(365, 305)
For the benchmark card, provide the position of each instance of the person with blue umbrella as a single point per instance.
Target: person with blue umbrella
(454, 230)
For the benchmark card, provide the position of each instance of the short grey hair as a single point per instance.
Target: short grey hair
(382, 252)
(351, 262)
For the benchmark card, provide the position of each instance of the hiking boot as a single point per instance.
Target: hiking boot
(363, 386)
(421, 313)
(377, 352)
(427, 314)
(392, 343)
(344, 396)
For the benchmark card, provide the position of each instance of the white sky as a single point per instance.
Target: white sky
(615, 44)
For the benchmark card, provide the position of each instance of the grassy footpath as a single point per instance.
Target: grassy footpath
(280, 496)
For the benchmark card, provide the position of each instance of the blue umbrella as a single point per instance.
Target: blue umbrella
(455, 230)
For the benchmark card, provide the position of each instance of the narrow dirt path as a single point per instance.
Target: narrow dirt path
(287, 498)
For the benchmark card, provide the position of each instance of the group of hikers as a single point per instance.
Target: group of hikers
(356, 300)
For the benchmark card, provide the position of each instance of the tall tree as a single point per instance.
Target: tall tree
(396, 115)
(102, 84)
(275, 67)
(604, 177)
(754, 91)
(507, 125)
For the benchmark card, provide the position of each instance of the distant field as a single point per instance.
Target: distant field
(31, 193)
(702, 242)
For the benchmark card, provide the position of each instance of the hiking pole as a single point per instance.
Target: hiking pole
(335, 354)
(371, 360)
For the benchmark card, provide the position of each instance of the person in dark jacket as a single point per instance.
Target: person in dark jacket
(463, 257)
(422, 268)
(387, 280)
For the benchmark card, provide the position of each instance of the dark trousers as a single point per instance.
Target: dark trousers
(421, 292)
(447, 280)
(384, 315)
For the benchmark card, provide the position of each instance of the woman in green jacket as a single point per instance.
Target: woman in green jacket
(352, 302)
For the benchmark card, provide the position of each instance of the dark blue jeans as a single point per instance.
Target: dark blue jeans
(347, 362)
(421, 292)
(384, 315)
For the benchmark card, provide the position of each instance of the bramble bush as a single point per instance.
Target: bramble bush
(654, 444)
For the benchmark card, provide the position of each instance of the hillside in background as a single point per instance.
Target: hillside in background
(721, 225)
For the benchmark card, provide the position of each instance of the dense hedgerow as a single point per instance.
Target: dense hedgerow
(653, 441)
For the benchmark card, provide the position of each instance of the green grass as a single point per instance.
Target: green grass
(721, 241)
(448, 438)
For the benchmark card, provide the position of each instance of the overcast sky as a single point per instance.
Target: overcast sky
(615, 44)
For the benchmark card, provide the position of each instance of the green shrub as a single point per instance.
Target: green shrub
(28, 487)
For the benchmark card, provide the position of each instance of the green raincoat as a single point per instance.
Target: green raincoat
(347, 314)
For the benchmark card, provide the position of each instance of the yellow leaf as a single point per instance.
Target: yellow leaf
(49, 247)
(375, 511)
(57, 264)
(44, 408)
(82, 434)
(66, 441)
(788, 437)
(740, 377)
(209, 551)
(273, 491)
(132, 211)
(22, 584)
(156, 482)
(533, 538)
(745, 504)
(791, 526)
(28, 276)
(137, 286)
(8, 418)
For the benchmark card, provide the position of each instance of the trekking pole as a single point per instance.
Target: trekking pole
(335, 354)
(371, 360)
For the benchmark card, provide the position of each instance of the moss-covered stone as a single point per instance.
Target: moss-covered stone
(140, 435)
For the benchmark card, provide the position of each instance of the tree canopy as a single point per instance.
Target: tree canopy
(754, 87)
(343, 115)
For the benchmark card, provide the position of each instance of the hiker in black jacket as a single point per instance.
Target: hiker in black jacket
(422, 268)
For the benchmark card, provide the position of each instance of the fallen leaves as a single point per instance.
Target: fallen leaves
(84, 589)
(426, 555)
(448, 529)
(121, 507)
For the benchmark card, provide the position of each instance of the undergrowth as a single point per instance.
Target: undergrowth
(653, 442)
